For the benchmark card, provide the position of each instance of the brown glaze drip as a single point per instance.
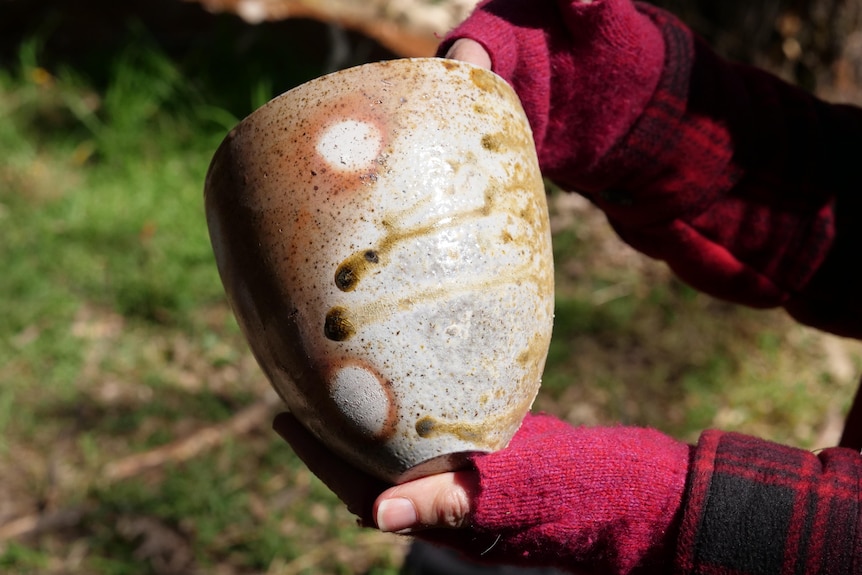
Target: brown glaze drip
(479, 433)
(350, 272)
(484, 81)
(472, 432)
(338, 326)
(491, 142)
(500, 141)
(352, 269)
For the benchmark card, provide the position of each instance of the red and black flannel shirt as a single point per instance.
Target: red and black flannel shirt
(759, 507)
(772, 188)
(751, 190)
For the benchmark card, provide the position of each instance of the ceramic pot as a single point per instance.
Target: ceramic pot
(382, 235)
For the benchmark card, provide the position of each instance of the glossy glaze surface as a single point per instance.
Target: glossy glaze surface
(382, 235)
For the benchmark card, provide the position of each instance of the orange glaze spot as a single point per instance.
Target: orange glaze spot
(319, 177)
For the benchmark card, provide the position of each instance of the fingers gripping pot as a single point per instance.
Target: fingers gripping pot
(382, 235)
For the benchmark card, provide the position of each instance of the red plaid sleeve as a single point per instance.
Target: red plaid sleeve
(757, 507)
(746, 186)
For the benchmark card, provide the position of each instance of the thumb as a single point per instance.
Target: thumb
(443, 500)
(468, 50)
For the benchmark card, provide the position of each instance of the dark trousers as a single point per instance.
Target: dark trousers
(426, 559)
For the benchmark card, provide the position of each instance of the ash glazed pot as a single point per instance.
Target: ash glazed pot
(382, 235)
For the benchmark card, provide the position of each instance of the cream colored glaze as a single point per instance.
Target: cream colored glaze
(383, 238)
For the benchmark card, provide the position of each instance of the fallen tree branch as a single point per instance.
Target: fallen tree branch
(38, 523)
(410, 28)
(191, 446)
(183, 449)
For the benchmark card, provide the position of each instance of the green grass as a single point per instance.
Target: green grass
(115, 338)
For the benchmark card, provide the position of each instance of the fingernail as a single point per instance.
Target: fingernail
(397, 514)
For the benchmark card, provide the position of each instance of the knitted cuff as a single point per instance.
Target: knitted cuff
(601, 498)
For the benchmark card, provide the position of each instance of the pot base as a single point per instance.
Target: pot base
(441, 464)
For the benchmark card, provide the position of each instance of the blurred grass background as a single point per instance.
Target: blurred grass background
(134, 424)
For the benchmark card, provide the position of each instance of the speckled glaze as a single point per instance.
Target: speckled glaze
(382, 235)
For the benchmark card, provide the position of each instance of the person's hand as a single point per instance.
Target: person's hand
(594, 498)
(452, 492)
(470, 51)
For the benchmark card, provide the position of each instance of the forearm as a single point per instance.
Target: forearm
(746, 186)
